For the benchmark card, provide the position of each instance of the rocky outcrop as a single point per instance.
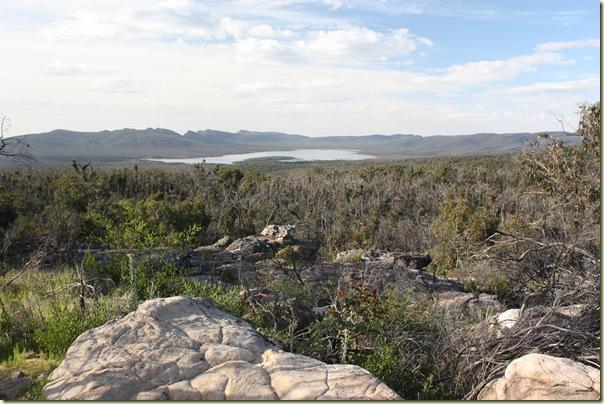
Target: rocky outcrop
(189, 349)
(252, 248)
(544, 377)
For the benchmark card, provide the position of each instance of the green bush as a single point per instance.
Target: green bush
(227, 297)
(393, 337)
(150, 223)
(64, 324)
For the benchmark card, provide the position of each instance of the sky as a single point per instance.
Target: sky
(311, 67)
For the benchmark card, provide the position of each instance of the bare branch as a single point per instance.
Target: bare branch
(13, 148)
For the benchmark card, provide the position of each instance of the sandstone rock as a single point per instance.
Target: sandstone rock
(14, 386)
(279, 234)
(189, 349)
(217, 246)
(544, 377)
(508, 318)
(249, 245)
(503, 322)
(223, 242)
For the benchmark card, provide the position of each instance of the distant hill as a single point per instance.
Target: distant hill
(59, 146)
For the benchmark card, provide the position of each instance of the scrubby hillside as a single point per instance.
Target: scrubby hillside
(434, 275)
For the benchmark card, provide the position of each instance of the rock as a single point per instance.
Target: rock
(507, 319)
(223, 242)
(571, 311)
(544, 377)
(400, 259)
(485, 303)
(413, 260)
(452, 300)
(249, 245)
(503, 322)
(350, 256)
(189, 349)
(216, 247)
(279, 234)
(237, 271)
(305, 251)
(14, 386)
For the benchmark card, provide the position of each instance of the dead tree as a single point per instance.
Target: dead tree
(13, 147)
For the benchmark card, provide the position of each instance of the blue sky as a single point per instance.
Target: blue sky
(313, 67)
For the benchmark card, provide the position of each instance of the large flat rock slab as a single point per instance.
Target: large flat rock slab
(189, 349)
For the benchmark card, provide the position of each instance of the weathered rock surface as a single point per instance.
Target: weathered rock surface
(250, 245)
(217, 246)
(279, 234)
(544, 377)
(503, 322)
(12, 387)
(188, 349)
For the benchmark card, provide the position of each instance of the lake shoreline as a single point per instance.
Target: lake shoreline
(285, 156)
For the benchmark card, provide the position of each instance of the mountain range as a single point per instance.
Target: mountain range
(59, 146)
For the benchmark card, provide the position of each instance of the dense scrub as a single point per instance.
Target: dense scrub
(525, 227)
(388, 205)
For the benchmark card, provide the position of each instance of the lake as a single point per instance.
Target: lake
(285, 155)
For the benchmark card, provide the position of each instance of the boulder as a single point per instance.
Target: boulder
(279, 234)
(189, 349)
(543, 377)
(15, 385)
(503, 322)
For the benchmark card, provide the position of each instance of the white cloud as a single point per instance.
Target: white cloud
(257, 88)
(360, 42)
(499, 70)
(557, 46)
(589, 84)
(119, 84)
(59, 68)
(349, 45)
(187, 21)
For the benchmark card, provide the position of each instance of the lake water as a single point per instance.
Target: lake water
(287, 156)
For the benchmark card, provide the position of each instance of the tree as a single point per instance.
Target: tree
(12, 147)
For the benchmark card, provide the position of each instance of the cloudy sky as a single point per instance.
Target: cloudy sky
(313, 67)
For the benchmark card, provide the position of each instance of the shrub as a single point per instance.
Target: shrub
(393, 337)
(63, 325)
(227, 297)
(152, 223)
